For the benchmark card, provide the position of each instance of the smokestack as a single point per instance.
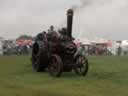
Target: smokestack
(69, 22)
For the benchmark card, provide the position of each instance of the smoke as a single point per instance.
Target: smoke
(87, 3)
(76, 8)
(101, 18)
(92, 18)
(84, 3)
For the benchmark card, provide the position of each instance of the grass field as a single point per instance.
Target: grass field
(107, 76)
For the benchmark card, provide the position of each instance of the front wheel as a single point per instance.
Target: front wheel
(81, 67)
(55, 66)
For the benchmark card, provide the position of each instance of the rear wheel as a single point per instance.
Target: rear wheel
(38, 58)
(81, 67)
(55, 66)
(36, 64)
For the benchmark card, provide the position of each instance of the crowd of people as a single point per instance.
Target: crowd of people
(17, 50)
(23, 49)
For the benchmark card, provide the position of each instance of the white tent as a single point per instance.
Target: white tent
(124, 43)
(124, 46)
(1, 45)
(1, 48)
(86, 42)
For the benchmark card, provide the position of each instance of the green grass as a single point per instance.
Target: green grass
(107, 76)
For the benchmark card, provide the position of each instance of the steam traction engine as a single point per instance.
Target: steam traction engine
(56, 52)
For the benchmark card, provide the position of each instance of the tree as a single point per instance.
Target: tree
(25, 37)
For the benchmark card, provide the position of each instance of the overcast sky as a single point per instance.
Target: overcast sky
(93, 18)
